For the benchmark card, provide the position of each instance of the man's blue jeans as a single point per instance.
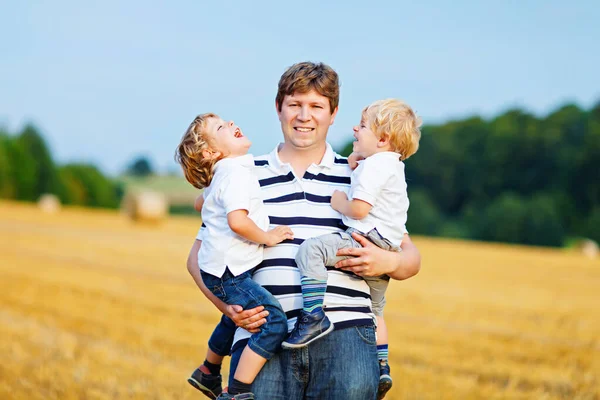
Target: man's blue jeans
(341, 365)
(242, 290)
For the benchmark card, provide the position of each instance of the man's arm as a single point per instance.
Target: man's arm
(370, 260)
(250, 319)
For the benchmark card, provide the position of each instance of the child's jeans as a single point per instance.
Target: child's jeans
(242, 290)
(315, 254)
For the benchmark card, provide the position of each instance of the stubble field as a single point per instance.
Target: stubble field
(95, 307)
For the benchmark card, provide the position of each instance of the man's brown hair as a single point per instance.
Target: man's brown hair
(306, 76)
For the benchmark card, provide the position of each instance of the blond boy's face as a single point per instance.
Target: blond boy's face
(228, 138)
(367, 143)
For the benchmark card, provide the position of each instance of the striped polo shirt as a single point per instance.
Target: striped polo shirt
(303, 204)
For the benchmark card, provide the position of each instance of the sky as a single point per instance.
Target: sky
(108, 81)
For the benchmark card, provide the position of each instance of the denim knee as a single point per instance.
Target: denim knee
(268, 341)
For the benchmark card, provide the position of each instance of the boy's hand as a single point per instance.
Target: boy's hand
(353, 160)
(338, 199)
(278, 235)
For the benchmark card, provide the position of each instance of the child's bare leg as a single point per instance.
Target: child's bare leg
(385, 380)
(213, 357)
(382, 340)
(248, 368)
(382, 333)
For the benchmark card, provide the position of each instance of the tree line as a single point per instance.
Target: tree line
(514, 178)
(28, 171)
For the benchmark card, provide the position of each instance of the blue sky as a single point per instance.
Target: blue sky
(106, 81)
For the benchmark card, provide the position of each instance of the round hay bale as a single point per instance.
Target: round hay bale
(145, 206)
(588, 248)
(49, 203)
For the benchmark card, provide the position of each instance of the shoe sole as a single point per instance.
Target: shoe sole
(385, 384)
(287, 345)
(206, 391)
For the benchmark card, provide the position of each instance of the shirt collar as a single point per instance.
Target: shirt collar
(326, 162)
(247, 160)
(385, 154)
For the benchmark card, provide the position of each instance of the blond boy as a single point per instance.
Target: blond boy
(376, 208)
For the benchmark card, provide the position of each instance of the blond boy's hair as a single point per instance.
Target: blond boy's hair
(396, 120)
(198, 170)
(306, 76)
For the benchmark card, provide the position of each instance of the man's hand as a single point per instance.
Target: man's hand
(250, 320)
(278, 235)
(338, 199)
(369, 260)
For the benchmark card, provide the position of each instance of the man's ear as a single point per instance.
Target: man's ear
(333, 115)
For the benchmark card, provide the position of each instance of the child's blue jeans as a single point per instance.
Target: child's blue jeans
(243, 291)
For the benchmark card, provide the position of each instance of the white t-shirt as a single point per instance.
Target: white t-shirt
(379, 180)
(233, 187)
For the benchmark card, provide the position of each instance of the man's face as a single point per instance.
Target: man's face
(305, 119)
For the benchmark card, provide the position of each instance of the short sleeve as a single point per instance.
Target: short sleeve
(236, 189)
(368, 180)
(200, 232)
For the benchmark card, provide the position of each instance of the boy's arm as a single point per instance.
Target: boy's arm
(240, 223)
(250, 319)
(199, 202)
(355, 209)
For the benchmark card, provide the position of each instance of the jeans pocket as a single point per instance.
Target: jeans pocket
(367, 334)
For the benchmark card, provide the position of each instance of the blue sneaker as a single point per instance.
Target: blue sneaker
(208, 384)
(309, 327)
(385, 380)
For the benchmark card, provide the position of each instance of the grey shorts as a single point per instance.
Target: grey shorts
(317, 253)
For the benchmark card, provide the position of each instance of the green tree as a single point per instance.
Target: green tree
(86, 185)
(7, 188)
(141, 167)
(45, 176)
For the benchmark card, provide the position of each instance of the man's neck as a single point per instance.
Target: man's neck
(301, 159)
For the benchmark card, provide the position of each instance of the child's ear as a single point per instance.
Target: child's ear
(210, 154)
(383, 141)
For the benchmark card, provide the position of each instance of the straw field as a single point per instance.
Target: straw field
(94, 306)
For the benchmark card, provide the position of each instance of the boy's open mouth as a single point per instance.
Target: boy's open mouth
(238, 133)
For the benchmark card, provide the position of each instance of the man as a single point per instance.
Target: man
(297, 179)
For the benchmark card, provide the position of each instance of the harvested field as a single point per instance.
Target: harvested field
(94, 306)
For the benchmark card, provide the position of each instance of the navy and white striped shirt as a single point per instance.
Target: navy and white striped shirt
(304, 205)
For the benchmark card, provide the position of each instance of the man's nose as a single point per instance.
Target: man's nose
(304, 114)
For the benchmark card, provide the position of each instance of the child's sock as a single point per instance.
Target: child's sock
(238, 387)
(313, 293)
(382, 353)
(215, 369)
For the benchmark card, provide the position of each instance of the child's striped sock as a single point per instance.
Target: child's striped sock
(382, 353)
(313, 293)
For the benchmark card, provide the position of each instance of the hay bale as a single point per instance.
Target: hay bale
(145, 206)
(588, 248)
(49, 203)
